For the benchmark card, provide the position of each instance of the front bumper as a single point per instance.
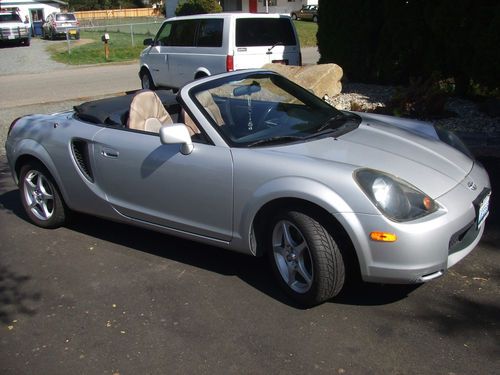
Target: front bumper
(14, 33)
(427, 247)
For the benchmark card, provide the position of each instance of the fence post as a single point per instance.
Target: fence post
(132, 34)
(69, 44)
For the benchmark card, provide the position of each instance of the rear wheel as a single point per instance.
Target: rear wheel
(294, 16)
(315, 19)
(147, 81)
(40, 196)
(305, 258)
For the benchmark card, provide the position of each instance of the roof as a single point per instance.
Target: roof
(230, 15)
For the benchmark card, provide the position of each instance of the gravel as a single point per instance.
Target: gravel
(32, 59)
(466, 120)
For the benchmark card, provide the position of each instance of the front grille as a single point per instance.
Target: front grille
(10, 33)
(463, 238)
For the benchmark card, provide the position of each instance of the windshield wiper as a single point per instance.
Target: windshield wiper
(328, 122)
(274, 45)
(277, 139)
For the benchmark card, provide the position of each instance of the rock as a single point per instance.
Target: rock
(322, 79)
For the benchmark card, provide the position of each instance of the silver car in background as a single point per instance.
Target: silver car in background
(58, 24)
(251, 162)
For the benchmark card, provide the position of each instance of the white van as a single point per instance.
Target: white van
(190, 47)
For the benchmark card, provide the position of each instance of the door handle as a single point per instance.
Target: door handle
(109, 153)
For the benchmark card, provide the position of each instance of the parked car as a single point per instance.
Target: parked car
(58, 24)
(191, 47)
(13, 29)
(307, 12)
(251, 162)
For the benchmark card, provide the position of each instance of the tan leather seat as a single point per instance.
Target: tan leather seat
(147, 105)
(206, 100)
(188, 121)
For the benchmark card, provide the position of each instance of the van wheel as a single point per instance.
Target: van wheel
(315, 19)
(305, 258)
(294, 16)
(146, 81)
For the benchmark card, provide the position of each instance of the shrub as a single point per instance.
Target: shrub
(188, 7)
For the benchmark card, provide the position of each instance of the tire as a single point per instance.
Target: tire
(27, 42)
(294, 16)
(305, 258)
(315, 19)
(77, 36)
(40, 196)
(147, 81)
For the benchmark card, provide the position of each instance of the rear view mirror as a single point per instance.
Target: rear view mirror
(148, 42)
(247, 89)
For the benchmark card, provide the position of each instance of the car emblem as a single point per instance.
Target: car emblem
(471, 185)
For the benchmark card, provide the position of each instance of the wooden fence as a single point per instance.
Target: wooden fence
(115, 13)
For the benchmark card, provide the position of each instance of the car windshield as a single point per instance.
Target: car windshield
(10, 17)
(257, 109)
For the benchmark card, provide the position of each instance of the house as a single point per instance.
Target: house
(36, 10)
(259, 6)
(253, 6)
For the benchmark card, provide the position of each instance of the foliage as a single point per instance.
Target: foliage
(422, 98)
(188, 7)
(393, 41)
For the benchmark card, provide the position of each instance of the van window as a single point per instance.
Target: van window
(252, 32)
(210, 33)
(183, 33)
(164, 34)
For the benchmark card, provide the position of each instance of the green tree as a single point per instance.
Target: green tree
(188, 7)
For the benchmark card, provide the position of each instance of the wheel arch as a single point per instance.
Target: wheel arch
(201, 72)
(30, 150)
(265, 214)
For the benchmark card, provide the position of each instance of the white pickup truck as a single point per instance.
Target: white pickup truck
(12, 29)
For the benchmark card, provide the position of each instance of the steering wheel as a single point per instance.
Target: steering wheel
(267, 120)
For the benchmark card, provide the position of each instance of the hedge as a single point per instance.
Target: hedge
(394, 41)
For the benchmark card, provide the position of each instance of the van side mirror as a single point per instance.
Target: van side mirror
(148, 42)
(177, 134)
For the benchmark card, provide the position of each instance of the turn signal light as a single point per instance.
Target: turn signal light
(383, 236)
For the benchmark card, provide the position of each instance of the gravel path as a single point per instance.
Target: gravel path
(32, 59)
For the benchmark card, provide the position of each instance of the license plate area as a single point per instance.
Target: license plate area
(481, 205)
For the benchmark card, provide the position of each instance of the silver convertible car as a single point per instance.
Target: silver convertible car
(251, 162)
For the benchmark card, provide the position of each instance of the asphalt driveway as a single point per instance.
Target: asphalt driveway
(98, 297)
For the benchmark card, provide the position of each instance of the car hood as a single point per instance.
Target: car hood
(408, 149)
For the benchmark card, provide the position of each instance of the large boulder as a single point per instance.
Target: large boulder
(322, 79)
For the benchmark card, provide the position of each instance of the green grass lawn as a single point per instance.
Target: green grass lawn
(307, 33)
(90, 49)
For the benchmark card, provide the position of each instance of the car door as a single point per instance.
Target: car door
(156, 183)
(182, 54)
(157, 57)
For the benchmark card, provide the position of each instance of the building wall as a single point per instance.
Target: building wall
(283, 6)
(26, 8)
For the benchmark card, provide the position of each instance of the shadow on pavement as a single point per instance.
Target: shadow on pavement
(248, 269)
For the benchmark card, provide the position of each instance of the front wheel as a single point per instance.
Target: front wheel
(294, 16)
(40, 196)
(315, 19)
(305, 258)
(147, 81)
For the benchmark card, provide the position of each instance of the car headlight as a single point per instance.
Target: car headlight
(395, 198)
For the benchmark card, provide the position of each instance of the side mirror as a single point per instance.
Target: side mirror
(177, 134)
(148, 42)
